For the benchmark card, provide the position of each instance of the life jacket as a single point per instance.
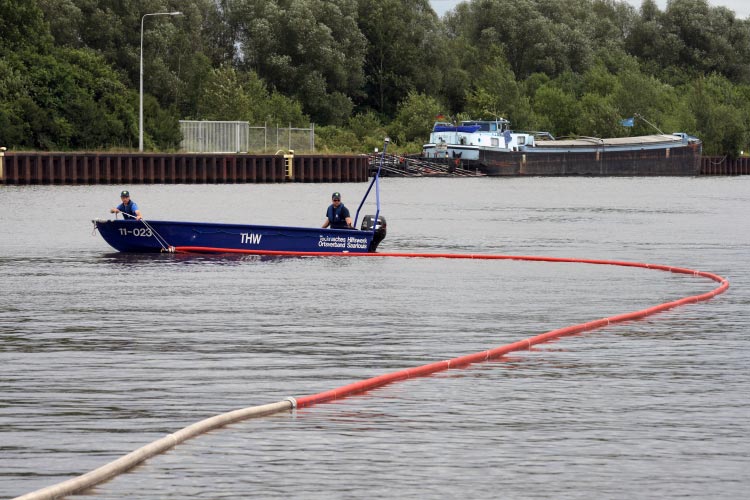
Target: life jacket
(335, 217)
(129, 209)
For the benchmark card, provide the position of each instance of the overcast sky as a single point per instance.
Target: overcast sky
(741, 8)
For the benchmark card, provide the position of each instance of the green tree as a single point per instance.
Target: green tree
(693, 38)
(67, 99)
(415, 118)
(404, 51)
(22, 28)
(458, 62)
(722, 113)
(496, 93)
(364, 125)
(232, 95)
(598, 117)
(69, 69)
(557, 108)
(65, 19)
(162, 131)
(542, 35)
(368, 129)
(336, 139)
(311, 50)
(56, 98)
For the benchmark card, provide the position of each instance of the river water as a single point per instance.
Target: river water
(101, 353)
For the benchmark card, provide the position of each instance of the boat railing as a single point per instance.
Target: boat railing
(538, 134)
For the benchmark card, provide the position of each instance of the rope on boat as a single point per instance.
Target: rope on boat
(159, 446)
(165, 246)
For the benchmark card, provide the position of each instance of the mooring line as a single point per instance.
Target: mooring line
(159, 446)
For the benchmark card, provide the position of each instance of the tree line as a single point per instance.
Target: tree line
(361, 69)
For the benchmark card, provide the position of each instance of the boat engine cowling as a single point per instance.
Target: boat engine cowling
(368, 222)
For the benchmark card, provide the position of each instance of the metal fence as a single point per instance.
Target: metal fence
(240, 137)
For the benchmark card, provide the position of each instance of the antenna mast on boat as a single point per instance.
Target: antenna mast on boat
(637, 115)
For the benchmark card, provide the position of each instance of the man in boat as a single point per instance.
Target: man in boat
(337, 216)
(128, 208)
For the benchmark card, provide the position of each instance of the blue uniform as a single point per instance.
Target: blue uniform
(128, 209)
(337, 216)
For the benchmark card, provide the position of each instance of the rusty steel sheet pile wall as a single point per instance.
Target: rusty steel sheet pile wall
(154, 168)
(722, 165)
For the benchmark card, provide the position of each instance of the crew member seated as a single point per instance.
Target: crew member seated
(337, 216)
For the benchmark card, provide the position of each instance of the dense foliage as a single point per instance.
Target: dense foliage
(359, 69)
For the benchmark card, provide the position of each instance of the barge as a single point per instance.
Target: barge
(493, 148)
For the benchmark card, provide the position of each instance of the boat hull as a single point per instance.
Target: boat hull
(157, 236)
(682, 160)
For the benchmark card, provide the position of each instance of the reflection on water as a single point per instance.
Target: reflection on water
(104, 352)
(180, 258)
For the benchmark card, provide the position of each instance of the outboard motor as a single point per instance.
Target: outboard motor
(380, 229)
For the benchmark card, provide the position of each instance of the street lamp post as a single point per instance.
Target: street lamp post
(140, 107)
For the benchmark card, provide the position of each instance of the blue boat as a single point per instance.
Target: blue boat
(166, 236)
(143, 236)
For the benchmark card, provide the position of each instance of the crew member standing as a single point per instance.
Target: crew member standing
(337, 216)
(128, 208)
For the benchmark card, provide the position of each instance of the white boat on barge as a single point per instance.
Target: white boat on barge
(495, 149)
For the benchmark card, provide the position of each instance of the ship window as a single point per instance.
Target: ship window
(493, 127)
(495, 142)
(521, 140)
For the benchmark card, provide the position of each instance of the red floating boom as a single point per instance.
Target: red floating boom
(461, 361)
(135, 457)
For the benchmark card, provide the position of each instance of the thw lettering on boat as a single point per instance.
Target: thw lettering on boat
(251, 238)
